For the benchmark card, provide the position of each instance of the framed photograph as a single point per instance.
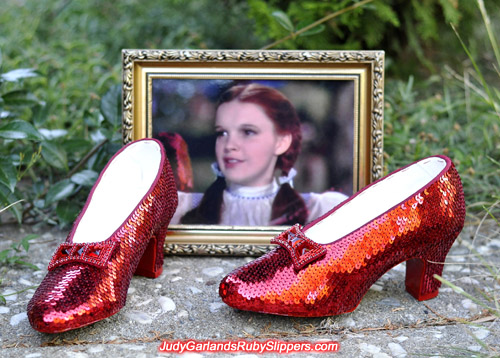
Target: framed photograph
(227, 138)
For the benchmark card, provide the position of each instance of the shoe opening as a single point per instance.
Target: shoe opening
(375, 200)
(122, 186)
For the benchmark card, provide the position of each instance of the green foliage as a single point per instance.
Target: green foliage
(60, 87)
(14, 254)
(410, 31)
(419, 124)
(35, 158)
(461, 119)
(60, 106)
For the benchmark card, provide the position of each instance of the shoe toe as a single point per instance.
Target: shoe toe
(258, 285)
(69, 297)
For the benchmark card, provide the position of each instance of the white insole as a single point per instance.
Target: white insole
(376, 200)
(123, 185)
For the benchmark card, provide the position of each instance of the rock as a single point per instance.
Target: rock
(10, 295)
(166, 304)
(18, 318)
(4, 309)
(96, 349)
(381, 355)
(172, 272)
(369, 348)
(194, 290)
(140, 317)
(216, 306)
(71, 354)
(397, 350)
(213, 271)
(390, 301)
(349, 322)
(25, 282)
(471, 306)
(143, 303)
(481, 333)
(474, 348)
(377, 287)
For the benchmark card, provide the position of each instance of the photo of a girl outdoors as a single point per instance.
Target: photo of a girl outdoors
(256, 141)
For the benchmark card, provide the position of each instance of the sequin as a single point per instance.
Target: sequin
(420, 231)
(88, 282)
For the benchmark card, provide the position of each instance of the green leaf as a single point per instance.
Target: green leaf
(67, 211)
(313, 31)
(283, 20)
(451, 13)
(8, 174)
(51, 134)
(54, 155)
(25, 242)
(111, 105)
(85, 178)
(30, 265)
(4, 254)
(19, 129)
(20, 98)
(18, 74)
(78, 147)
(41, 113)
(7, 198)
(59, 191)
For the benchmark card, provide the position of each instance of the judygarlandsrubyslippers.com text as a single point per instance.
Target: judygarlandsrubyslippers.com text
(245, 346)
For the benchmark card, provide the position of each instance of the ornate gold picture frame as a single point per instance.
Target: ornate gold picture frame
(339, 97)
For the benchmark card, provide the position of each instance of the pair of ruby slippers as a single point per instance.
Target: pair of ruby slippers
(322, 269)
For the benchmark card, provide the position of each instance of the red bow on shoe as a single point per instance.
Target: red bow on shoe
(302, 250)
(96, 254)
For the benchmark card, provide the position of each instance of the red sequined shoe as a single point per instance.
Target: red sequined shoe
(326, 267)
(121, 230)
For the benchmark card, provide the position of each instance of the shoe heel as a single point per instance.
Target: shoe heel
(151, 263)
(420, 271)
(420, 282)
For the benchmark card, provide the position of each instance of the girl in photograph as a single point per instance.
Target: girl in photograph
(258, 134)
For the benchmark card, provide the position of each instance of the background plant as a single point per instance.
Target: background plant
(67, 61)
(35, 165)
(414, 34)
(61, 74)
(462, 120)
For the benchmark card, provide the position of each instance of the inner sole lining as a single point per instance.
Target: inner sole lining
(122, 187)
(376, 200)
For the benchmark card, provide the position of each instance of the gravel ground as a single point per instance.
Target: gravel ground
(183, 304)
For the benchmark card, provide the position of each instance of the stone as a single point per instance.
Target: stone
(139, 317)
(166, 303)
(397, 350)
(213, 271)
(18, 318)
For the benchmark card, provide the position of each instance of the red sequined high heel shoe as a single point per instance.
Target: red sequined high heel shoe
(121, 230)
(326, 267)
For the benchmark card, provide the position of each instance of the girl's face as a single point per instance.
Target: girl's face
(247, 144)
